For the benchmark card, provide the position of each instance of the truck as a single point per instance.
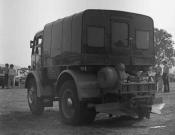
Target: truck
(74, 61)
(21, 76)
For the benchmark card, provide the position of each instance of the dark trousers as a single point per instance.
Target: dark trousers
(5, 81)
(166, 82)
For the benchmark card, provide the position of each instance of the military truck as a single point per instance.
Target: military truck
(74, 62)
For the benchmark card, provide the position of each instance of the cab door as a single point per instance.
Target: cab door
(36, 60)
(143, 43)
(38, 47)
(120, 40)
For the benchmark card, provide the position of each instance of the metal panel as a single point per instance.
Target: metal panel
(47, 44)
(76, 33)
(67, 34)
(86, 83)
(56, 38)
(47, 38)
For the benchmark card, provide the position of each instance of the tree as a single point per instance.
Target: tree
(163, 46)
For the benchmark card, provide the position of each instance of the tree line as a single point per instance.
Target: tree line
(163, 44)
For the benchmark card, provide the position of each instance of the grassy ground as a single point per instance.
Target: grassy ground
(16, 119)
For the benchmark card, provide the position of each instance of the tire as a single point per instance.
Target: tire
(34, 102)
(72, 111)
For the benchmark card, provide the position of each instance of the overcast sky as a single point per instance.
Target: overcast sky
(21, 19)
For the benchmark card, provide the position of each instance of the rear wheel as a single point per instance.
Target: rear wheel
(34, 102)
(72, 111)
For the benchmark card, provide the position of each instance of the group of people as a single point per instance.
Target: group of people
(160, 74)
(9, 76)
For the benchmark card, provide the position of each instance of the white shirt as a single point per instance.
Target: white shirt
(12, 72)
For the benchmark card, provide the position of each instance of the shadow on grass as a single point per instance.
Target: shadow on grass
(20, 121)
(119, 122)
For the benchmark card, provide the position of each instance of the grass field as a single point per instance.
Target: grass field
(16, 119)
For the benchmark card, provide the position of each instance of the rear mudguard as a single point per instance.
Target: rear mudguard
(86, 83)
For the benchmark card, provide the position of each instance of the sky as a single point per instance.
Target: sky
(21, 19)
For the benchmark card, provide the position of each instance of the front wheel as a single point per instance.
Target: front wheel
(72, 111)
(34, 102)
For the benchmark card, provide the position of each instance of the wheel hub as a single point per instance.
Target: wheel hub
(30, 95)
(68, 107)
(69, 102)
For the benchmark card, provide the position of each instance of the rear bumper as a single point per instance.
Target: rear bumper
(128, 109)
(139, 107)
(134, 99)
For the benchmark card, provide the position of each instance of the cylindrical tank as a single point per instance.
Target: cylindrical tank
(107, 77)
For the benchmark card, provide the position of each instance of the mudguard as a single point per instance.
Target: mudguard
(86, 83)
(42, 91)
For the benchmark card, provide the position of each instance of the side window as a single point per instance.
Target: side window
(95, 36)
(38, 46)
(39, 50)
(119, 34)
(39, 41)
(142, 39)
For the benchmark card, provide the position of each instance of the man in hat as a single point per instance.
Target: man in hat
(6, 75)
(12, 73)
(158, 78)
(165, 77)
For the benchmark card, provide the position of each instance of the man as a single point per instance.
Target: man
(29, 68)
(123, 75)
(151, 74)
(165, 77)
(159, 78)
(12, 73)
(6, 73)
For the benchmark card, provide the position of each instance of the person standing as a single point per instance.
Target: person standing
(6, 75)
(166, 77)
(123, 75)
(29, 68)
(12, 73)
(158, 77)
(151, 74)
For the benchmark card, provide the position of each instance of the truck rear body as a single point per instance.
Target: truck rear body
(98, 37)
